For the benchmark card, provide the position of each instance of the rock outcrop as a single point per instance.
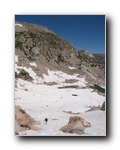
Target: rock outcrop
(79, 119)
(103, 106)
(76, 125)
(23, 121)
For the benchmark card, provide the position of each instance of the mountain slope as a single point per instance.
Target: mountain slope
(37, 44)
(54, 80)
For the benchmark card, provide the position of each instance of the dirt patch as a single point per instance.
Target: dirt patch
(69, 86)
(71, 81)
(50, 83)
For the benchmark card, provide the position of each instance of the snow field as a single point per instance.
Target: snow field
(42, 101)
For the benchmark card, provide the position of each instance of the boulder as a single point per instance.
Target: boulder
(79, 119)
(24, 121)
(103, 106)
(76, 125)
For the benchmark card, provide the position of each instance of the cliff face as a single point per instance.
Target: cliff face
(39, 45)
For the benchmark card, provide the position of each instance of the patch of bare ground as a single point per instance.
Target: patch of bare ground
(69, 86)
(70, 81)
(23, 75)
(70, 112)
(50, 83)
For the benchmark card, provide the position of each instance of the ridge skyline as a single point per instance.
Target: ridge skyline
(93, 42)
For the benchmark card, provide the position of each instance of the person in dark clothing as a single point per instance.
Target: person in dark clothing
(46, 120)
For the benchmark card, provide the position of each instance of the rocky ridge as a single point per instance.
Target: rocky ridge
(35, 44)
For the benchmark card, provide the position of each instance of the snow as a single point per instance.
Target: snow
(52, 75)
(18, 25)
(29, 70)
(97, 120)
(60, 77)
(33, 64)
(42, 101)
(16, 59)
(72, 67)
(36, 79)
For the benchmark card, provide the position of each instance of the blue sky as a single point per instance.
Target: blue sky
(82, 31)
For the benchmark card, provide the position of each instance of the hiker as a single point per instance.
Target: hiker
(46, 120)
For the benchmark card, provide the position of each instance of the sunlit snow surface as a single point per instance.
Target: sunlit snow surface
(41, 101)
(60, 77)
(33, 64)
(17, 24)
(71, 68)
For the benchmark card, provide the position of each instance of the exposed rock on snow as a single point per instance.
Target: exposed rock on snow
(70, 112)
(103, 106)
(71, 81)
(50, 83)
(79, 119)
(76, 125)
(94, 108)
(24, 75)
(16, 133)
(24, 120)
(69, 86)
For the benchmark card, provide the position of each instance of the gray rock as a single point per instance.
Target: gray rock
(103, 106)
(23, 61)
(75, 127)
(36, 51)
